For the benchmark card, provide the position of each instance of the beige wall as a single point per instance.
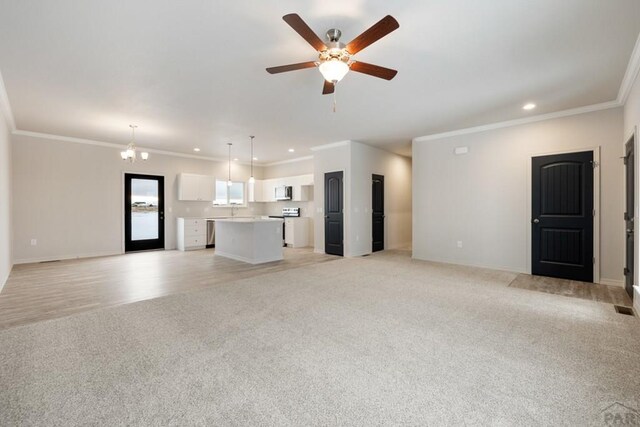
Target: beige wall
(359, 162)
(69, 197)
(631, 121)
(300, 167)
(365, 161)
(6, 255)
(483, 198)
(632, 108)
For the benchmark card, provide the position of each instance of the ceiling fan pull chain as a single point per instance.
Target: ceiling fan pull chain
(334, 97)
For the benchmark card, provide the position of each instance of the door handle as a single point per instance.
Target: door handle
(326, 216)
(629, 231)
(536, 221)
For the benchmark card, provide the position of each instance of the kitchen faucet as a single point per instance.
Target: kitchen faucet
(233, 207)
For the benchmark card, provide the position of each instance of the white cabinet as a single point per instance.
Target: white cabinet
(265, 190)
(269, 190)
(191, 234)
(296, 232)
(302, 187)
(199, 188)
(255, 191)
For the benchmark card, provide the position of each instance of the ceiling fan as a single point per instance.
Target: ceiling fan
(335, 59)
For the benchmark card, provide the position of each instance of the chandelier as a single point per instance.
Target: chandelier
(130, 153)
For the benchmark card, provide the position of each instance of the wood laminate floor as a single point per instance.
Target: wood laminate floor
(37, 292)
(574, 289)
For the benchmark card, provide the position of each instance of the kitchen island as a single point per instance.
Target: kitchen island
(251, 240)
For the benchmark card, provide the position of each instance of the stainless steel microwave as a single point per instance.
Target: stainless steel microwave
(284, 192)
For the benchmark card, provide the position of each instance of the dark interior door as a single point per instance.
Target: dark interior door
(562, 216)
(629, 163)
(333, 215)
(143, 212)
(377, 209)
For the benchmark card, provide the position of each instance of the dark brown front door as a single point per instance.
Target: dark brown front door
(333, 215)
(629, 164)
(562, 216)
(377, 209)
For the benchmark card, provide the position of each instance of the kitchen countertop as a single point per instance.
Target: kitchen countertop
(248, 219)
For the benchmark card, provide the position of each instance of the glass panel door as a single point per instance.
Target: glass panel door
(144, 212)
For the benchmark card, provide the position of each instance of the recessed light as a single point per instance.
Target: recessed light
(196, 150)
(235, 160)
(255, 158)
(291, 150)
(529, 106)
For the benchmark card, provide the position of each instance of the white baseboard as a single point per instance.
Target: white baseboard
(401, 246)
(247, 260)
(487, 266)
(612, 282)
(3, 280)
(66, 257)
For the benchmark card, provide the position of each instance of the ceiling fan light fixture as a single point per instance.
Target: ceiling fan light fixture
(333, 70)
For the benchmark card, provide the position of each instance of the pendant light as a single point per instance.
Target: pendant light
(130, 153)
(252, 179)
(229, 183)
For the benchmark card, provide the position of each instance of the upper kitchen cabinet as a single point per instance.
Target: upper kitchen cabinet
(265, 190)
(302, 187)
(196, 188)
(255, 191)
(268, 190)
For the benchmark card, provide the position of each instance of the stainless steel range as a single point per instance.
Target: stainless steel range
(286, 213)
(290, 212)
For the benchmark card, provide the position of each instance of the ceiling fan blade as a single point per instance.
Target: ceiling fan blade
(328, 88)
(291, 67)
(373, 34)
(301, 27)
(374, 70)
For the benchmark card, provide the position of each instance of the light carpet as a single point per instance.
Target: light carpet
(381, 340)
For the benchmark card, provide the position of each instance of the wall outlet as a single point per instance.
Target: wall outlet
(188, 209)
(459, 243)
(34, 242)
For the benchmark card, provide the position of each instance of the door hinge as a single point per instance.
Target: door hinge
(594, 164)
(626, 271)
(594, 260)
(593, 213)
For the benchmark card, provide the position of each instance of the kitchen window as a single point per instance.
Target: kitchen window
(227, 196)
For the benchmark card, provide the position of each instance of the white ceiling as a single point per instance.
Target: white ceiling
(191, 72)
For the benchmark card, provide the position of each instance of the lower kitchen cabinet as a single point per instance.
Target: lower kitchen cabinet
(191, 234)
(296, 232)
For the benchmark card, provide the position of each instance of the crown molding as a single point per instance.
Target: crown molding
(517, 122)
(630, 75)
(282, 162)
(331, 145)
(5, 105)
(117, 146)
